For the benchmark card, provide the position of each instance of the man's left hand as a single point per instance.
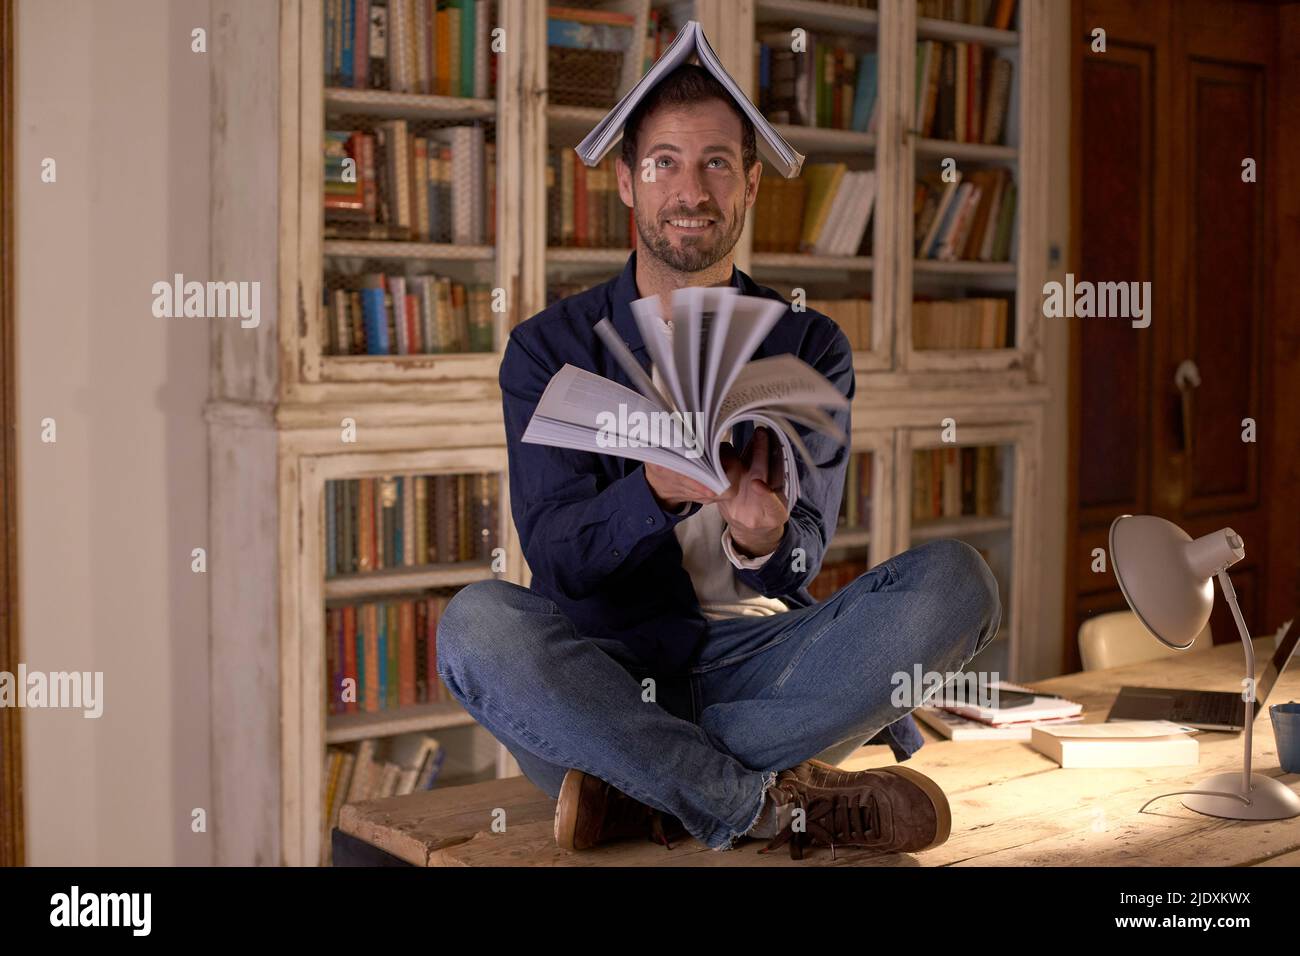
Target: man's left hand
(755, 507)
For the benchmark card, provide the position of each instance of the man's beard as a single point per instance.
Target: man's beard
(694, 255)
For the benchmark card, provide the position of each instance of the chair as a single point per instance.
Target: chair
(1119, 638)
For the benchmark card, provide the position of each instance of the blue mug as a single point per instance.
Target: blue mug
(1286, 730)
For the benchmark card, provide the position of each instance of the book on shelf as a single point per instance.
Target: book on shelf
(963, 91)
(855, 502)
(690, 41)
(834, 576)
(660, 34)
(378, 314)
(583, 207)
(409, 521)
(388, 650)
(586, 48)
(710, 385)
(829, 85)
(977, 323)
(412, 762)
(389, 183)
(954, 482)
(430, 47)
(826, 212)
(970, 217)
(998, 14)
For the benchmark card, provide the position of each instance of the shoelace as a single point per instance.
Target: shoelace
(847, 818)
(629, 815)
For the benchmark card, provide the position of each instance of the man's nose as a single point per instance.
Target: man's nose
(692, 191)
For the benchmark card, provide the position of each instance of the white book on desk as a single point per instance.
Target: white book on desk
(1132, 743)
(956, 727)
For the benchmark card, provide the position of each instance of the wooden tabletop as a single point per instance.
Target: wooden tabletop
(1011, 806)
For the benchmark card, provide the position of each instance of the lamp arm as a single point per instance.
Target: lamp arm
(1230, 595)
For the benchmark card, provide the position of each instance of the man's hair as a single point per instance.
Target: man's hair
(688, 85)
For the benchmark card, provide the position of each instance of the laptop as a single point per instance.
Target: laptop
(1205, 709)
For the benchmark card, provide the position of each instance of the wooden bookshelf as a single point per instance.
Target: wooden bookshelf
(279, 402)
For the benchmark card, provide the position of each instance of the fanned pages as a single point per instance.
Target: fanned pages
(711, 385)
(690, 41)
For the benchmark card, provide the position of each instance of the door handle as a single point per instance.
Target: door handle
(1187, 378)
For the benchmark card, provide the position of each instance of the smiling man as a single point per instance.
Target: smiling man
(668, 670)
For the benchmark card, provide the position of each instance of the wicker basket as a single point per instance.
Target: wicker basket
(583, 77)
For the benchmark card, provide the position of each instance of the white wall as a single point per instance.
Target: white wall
(109, 514)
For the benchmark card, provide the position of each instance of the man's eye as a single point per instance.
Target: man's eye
(720, 163)
(665, 161)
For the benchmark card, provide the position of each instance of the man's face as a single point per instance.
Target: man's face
(691, 214)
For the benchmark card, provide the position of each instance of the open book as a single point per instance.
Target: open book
(691, 40)
(709, 384)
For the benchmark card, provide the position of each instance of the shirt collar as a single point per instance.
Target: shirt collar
(625, 293)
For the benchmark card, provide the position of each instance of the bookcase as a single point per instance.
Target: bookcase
(339, 390)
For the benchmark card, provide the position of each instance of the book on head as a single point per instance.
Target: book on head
(690, 41)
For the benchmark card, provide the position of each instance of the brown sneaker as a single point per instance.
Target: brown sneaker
(889, 809)
(590, 812)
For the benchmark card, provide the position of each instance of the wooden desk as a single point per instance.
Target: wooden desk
(1011, 806)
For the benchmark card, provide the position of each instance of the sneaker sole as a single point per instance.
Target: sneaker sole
(566, 809)
(939, 799)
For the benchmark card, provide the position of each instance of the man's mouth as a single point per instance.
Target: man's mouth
(689, 224)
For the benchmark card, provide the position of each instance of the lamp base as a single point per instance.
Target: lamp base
(1270, 799)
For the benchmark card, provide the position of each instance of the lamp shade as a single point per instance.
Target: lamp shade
(1167, 576)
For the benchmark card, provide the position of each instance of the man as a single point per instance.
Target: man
(668, 668)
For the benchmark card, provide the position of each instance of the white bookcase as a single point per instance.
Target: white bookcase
(279, 402)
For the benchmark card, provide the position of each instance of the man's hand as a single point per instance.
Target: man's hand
(672, 490)
(754, 507)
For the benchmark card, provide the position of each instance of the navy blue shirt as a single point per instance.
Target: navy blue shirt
(598, 543)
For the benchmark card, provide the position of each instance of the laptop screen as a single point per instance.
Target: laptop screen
(1285, 648)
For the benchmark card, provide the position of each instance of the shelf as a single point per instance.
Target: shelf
(964, 267)
(817, 139)
(809, 261)
(957, 526)
(388, 105)
(971, 152)
(344, 728)
(565, 255)
(850, 538)
(388, 249)
(398, 580)
(574, 122)
(951, 30)
(818, 16)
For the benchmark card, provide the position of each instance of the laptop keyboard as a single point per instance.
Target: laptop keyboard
(1209, 709)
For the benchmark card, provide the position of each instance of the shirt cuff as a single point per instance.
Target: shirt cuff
(739, 560)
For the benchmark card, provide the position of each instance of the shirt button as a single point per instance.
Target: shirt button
(649, 520)
(616, 552)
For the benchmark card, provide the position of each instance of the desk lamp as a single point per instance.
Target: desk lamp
(1167, 579)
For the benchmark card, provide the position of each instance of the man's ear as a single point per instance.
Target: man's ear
(751, 183)
(624, 182)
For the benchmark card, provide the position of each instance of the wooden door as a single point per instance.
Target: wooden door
(1163, 121)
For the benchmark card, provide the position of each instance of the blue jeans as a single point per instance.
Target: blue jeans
(763, 694)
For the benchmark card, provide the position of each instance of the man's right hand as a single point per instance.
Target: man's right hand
(672, 490)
